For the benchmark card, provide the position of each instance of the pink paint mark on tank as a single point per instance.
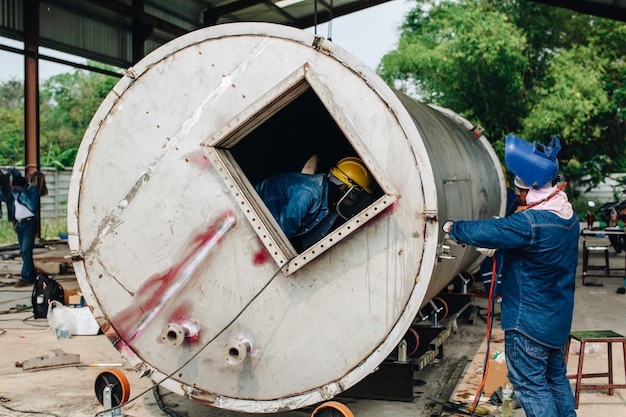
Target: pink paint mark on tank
(199, 159)
(152, 297)
(181, 313)
(181, 316)
(390, 209)
(123, 348)
(261, 257)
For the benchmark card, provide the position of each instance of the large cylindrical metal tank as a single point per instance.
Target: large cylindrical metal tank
(190, 276)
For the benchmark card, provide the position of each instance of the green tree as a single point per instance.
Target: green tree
(573, 102)
(516, 66)
(11, 136)
(12, 94)
(68, 102)
(469, 59)
(11, 122)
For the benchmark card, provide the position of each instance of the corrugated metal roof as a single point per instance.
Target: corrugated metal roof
(610, 9)
(103, 30)
(106, 30)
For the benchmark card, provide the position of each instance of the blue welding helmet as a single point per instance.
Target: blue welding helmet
(533, 163)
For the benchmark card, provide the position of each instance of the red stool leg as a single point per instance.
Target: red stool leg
(579, 375)
(624, 349)
(610, 354)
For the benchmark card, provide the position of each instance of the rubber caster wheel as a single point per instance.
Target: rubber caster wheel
(117, 383)
(332, 409)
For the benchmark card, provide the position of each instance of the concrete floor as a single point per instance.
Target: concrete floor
(69, 391)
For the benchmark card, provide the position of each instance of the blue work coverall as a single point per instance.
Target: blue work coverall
(299, 203)
(538, 281)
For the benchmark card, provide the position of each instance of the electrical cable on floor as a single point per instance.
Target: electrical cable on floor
(41, 413)
(26, 296)
(490, 306)
(159, 401)
(28, 321)
(19, 308)
(136, 397)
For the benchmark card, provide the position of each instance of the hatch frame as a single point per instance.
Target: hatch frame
(217, 148)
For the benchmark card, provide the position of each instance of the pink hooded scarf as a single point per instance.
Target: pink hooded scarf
(558, 204)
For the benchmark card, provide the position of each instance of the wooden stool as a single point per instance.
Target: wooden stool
(596, 336)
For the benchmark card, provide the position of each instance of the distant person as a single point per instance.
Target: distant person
(25, 205)
(308, 207)
(6, 178)
(538, 252)
(5, 191)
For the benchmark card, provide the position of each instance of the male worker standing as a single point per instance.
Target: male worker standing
(540, 254)
(25, 205)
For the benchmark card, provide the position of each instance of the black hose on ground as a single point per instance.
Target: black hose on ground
(159, 401)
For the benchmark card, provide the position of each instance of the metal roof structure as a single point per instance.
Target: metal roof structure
(610, 9)
(121, 32)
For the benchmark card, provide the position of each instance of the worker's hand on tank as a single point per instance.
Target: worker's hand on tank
(447, 225)
(486, 251)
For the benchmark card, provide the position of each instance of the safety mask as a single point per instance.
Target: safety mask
(351, 203)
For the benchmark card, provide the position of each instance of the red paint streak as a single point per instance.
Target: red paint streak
(125, 350)
(181, 316)
(261, 257)
(199, 159)
(389, 210)
(194, 338)
(153, 295)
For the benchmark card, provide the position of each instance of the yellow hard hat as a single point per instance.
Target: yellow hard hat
(352, 171)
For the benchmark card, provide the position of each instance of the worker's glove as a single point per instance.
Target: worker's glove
(446, 228)
(486, 252)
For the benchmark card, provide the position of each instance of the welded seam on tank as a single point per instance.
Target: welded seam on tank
(110, 221)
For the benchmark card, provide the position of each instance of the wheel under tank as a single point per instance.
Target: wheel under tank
(187, 272)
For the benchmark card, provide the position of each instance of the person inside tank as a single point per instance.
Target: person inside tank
(308, 207)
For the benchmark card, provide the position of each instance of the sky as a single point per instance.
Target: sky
(370, 33)
(367, 34)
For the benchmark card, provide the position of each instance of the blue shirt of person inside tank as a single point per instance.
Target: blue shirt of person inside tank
(297, 201)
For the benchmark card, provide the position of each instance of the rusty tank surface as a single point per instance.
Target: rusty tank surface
(189, 275)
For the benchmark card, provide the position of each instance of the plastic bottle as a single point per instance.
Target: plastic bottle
(613, 218)
(589, 219)
(507, 401)
(62, 333)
